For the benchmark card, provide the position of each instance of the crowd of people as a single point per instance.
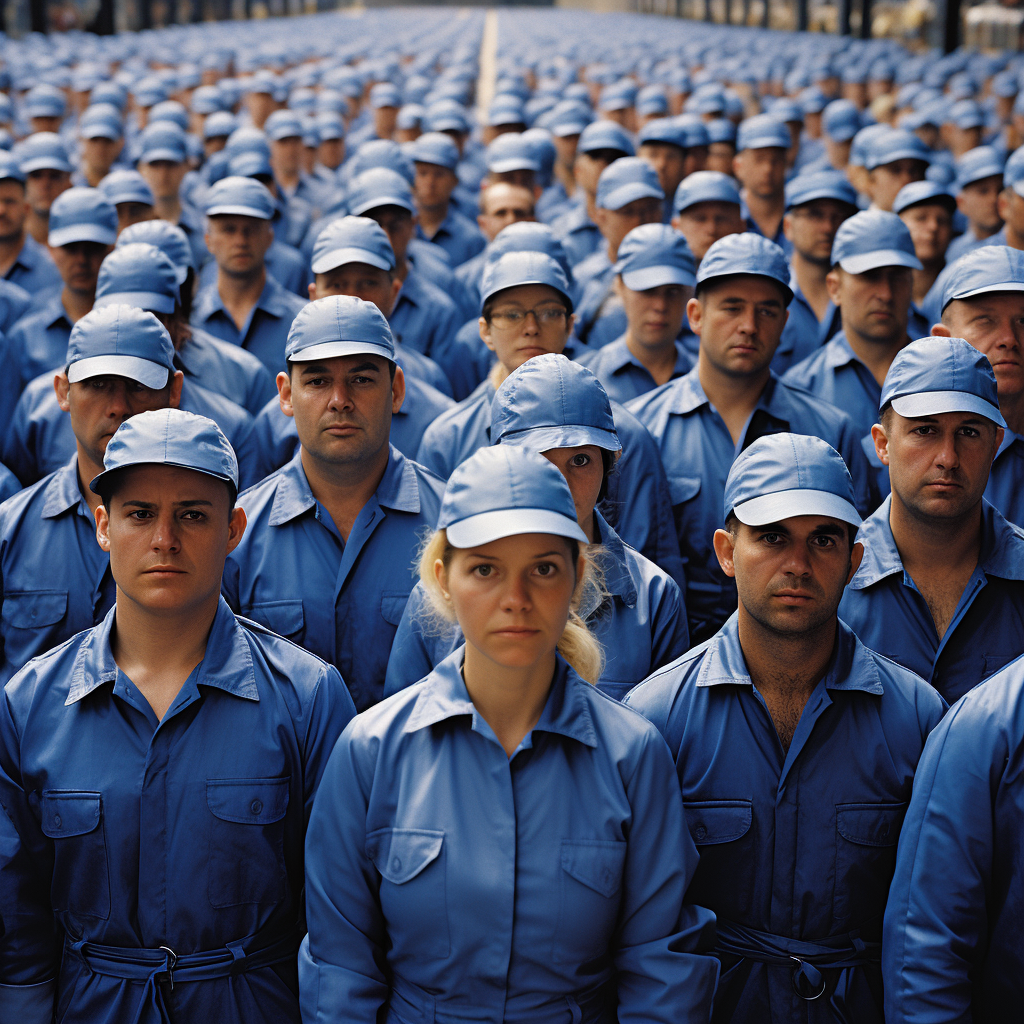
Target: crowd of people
(535, 546)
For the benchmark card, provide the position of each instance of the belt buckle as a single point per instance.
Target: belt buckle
(168, 974)
(802, 969)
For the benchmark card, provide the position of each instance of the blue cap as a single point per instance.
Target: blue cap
(410, 116)
(552, 402)
(126, 186)
(812, 100)
(283, 124)
(82, 215)
(978, 163)
(435, 148)
(872, 239)
(989, 268)
(44, 100)
(936, 375)
(101, 122)
(170, 437)
(529, 236)
(786, 109)
(663, 129)
(569, 117)
(140, 275)
(379, 153)
(207, 99)
(896, 144)
(447, 116)
(378, 187)
(505, 491)
(248, 139)
(385, 94)
(250, 165)
(219, 125)
(169, 110)
(167, 237)
(340, 325)
(329, 126)
(763, 131)
(827, 184)
(781, 476)
(966, 114)
(149, 91)
(511, 152)
(520, 268)
(605, 135)
(747, 253)
(43, 151)
(245, 197)
(653, 255)
(863, 141)
(352, 240)
(923, 192)
(120, 341)
(651, 100)
(163, 141)
(505, 110)
(705, 187)
(625, 180)
(720, 129)
(10, 168)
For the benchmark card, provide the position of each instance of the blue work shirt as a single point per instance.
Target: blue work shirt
(600, 315)
(423, 317)
(798, 846)
(9, 483)
(15, 302)
(803, 334)
(431, 262)
(274, 439)
(883, 606)
(951, 948)
(623, 375)
(228, 370)
(185, 833)
(641, 622)
(578, 234)
(40, 339)
(779, 238)
(637, 501)
(342, 600)
(54, 577)
(33, 269)
(571, 858)
(265, 330)
(697, 451)
(285, 264)
(457, 235)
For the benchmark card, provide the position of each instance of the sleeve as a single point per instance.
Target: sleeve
(437, 441)
(9, 484)
(10, 383)
(342, 959)
(856, 461)
(666, 973)
(19, 451)
(415, 652)
(331, 711)
(670, 635)
(229, 584)
(260, 389)
(936, 919)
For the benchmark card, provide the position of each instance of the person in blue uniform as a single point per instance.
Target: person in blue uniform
(640, 621)
(532, 298)
(762, 147)
(702, 421)
(706, 207)
(51, 523)
(928, 209)
(941, 586)
(554, 807)
(245, 305)
(346, 513)
(654, 279)
(23, 261)
(43, 159)
(158, 770)
(951, 947)
(795, 747)
(979, 180)
(892, 159)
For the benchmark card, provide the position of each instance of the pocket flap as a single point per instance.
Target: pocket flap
(683, 488)
(400, 854)
(597, 863)
(69, 813)
(248, 801)
(870, 824)
(392, 606)
(29, 609)
(717, 821)
(283, 617)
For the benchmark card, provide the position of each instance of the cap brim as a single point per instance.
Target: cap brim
(518, 164)
(774, 508)
(569, 435)
(822, 193)
(900, 154)
(642, 279)
(348, 254)
(762, 144)
(842, 134)
(150, 156)
(715, 197)
(934, 403)
(336, 349)
(133, 198)
(511, 522)
(100, 132)
(145, 371)
(45, 163)
(565, 130)
(239, 211)
(629, 193)
(1006, 286)
(81, 233)
(865, 261)
(980, 174)
(378, 201)
(155, 302)
(95, 483)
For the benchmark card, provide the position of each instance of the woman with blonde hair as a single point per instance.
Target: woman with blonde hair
(502, 841)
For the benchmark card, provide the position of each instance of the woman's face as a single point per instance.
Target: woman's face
(583, 469)
(512, 597)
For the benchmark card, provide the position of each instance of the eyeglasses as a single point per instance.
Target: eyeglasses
(545, 317)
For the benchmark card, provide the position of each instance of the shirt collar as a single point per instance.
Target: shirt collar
(412, 289)
(62, 492)
(54, 311)
(226, 665)
(30, 255)
(838, 352)
(271, 300)
(615, 573)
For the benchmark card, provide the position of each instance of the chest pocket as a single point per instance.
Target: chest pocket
(34, 609)
(284, 617)
(682, 489)
(413, 897)
(392, 606)
(866, 838)
(721, 831)
(589, 885)
(246, 831)
(81, 879)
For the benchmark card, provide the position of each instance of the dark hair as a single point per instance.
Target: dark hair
(187, 288)
(732, 525)
(488, 306)
(392, 367)
(609, 462)
(108, 486)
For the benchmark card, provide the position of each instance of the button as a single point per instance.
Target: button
(56, 820)
(256, 806)
(701, 832)
(883, 831)
(396, 864)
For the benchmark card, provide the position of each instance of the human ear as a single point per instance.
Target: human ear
(725, 549)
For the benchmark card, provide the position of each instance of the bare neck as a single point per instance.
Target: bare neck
(766, 213)
(734, 398)
(925, 278)
(810, 277)
(10, 250)
(932, 544)
(168, 209)
(38, 226)
(659, 361)
(240, 294)
(432, 217)
(87, 470)
(344, 490)
(76, 304)
(783, 662)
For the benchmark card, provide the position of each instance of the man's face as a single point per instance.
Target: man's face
(565, 148)
(214, 145)
(790, 575)
(838, 153)
(668, 160)
(361, 280)
(616, 224)
(45, 124)
(168, 531)
(101, 153)
(260, 105)
(79, 264)
(979, 203)
(875, 304)
(588, 167)
(762, 172)
(43, 186)
(331, 153)
(13, 208)
(501, 205)
(433, 185)
(938, 465)
(931, 229)
(885, 181)
(384, 121)
(342, 407)
(514, 337)
(133, 213)
(720, 156)
(696, 159)
(655, 316)
(812, 227)
(398, 224)
(1011, 209)
(238, 243)
(963, 139)
(523, 177)
(286, 155)
(739, 321)
(164, 177)
(994, 325)
(703, 224)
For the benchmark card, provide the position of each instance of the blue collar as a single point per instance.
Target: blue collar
(61, 492)
(31, 254)
(271, 300)
(688, 396)
(226, 665)
(412, 289)
(54, 312)
(838, 352)
(611, 559)
(618, 356)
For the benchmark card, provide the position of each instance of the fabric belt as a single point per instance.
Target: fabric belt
(163, 965)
